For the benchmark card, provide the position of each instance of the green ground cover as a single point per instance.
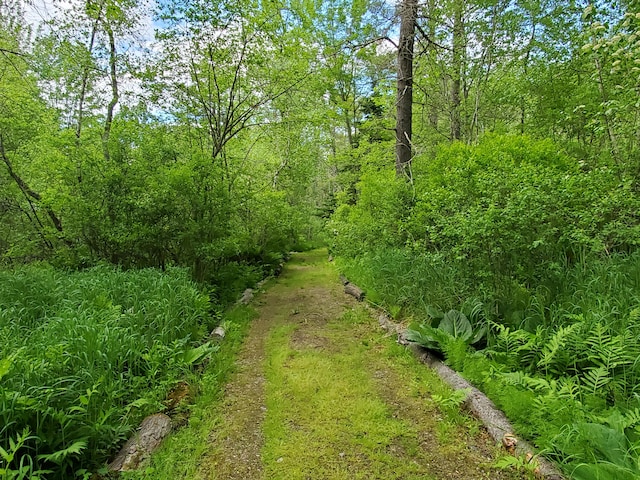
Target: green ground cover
(84, 355)
(318, 391)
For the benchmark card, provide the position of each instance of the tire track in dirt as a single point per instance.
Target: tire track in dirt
(236, 449)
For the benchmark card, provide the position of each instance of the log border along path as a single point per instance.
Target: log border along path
(321, 392)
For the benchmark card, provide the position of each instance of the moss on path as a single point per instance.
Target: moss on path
(321, 393)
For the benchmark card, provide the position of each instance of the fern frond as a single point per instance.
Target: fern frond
(597, 378)
(521, 379)
(606, 350)
(57, 457)
(554, 346)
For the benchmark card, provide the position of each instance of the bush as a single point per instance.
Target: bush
(548, 248)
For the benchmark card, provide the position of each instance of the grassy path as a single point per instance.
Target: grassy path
(320, 392)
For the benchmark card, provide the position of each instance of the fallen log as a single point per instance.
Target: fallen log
(494, 420)
(152, 431)
(354, 291)
(247, 296)
(218, 334)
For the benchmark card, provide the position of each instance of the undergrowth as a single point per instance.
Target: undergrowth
(84, 356)
(181, 453)
(544, 253)
(567, 368)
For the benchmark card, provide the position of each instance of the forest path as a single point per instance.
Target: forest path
(321, 393)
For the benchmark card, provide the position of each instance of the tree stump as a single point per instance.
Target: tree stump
(152, 431)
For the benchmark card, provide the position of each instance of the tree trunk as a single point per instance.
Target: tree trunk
(114, 93)
(458, 49)
(29, 193)
(432, 25)
(408, 10)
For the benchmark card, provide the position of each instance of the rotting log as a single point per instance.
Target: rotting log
(354, 291)
(218, 334)
(278, 270)
(152, 431)
(343, 280)
(494, 420)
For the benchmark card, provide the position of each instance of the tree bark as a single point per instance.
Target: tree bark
(28, 192)
(458, 48)
(408, 10)
(152, 431)
(114, 93)
(354, 291)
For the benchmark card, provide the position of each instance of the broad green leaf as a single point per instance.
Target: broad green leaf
(5, 366)
(603, 471)
(194, 355)
(457, 325)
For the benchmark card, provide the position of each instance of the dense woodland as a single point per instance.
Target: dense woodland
(159, 157)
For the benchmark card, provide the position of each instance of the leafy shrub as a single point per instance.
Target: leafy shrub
(451, 326)
(512, 207)
(376, 220)
(549, 247)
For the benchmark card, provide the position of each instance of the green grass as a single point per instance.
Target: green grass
(180, 454)
(85, 355)
(340, 401)
(332, 413)
(561, 354)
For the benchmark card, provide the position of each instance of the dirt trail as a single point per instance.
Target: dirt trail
(321, 393)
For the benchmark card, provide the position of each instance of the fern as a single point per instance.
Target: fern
(509, 344)
(550, 353)
(597, 378)
(521, 379)
(58, 457)
(452, 401)
(606, 350)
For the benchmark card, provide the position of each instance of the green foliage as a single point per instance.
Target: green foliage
(85, 355)
(452, 326)
(548, 247)
(453, 401)
(377, 218)
(509, 206)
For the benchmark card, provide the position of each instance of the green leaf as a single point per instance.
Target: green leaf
(57, 457)
(194, 355)
(608, 443)
(5, 366)
(423, 335)
(435, 313)
(478, 335)
(603, 471)
(140, 402)
(457, 325)
(6, 456)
